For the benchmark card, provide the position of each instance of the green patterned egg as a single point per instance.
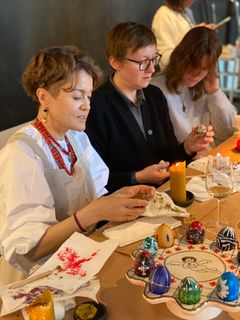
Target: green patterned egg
(189, 291)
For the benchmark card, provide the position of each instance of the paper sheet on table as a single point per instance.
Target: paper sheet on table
(78, 260)
(139, 229)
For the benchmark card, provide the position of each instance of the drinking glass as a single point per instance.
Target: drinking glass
(219, 184)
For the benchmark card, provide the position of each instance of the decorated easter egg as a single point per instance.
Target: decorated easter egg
(197, 225)
(159, 280)
(189, 291)
(143, 264)
(165, 236)
(149, 244)
(238, 257)
(226, 239)
(227, 287)
(238, 145)
(200, 130)
(194, 236)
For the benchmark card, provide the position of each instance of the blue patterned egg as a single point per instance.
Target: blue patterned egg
(144, 263)
(149, 244)
(226, 239)
(227, 287)
(189, 291)
(159, 280)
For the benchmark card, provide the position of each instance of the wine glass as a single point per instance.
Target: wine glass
(219, 184)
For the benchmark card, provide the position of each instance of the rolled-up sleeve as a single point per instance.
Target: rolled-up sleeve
(27, 205)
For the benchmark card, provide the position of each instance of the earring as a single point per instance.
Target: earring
(44, 118)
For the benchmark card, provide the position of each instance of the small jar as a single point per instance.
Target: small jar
(90, 310)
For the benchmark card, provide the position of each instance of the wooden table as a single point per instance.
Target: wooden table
(228, 148)
(124, 301)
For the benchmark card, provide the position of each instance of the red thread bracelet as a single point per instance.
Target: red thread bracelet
(78, 223)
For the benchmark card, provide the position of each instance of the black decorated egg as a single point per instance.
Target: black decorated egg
(227, 287)
(194, 236)
(195, 233)
(226, 239)
(150, 245)
(189, 291)
(159, 280)
(143, 264)
(165, 236)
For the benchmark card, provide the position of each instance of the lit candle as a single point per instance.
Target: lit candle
(178, 181)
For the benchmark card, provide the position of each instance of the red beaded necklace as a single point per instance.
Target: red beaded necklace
(52, 143)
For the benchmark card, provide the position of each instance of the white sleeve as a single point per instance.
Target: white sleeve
(222, 114)
(27, 205)
(99, 170)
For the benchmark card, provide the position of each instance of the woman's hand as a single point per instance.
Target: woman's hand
(155, 173)
(211, 26)
(195, 143)
(133, 191)
(211, 81)
(123, 205)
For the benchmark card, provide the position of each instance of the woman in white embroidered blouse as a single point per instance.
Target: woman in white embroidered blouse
(50, 174)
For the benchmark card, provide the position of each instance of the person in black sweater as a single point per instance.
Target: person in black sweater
(129, 123)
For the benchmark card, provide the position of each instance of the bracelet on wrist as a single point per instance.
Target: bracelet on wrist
(79, 223)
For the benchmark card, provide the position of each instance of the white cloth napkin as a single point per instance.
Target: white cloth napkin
(199, 164)
(197, 186)
(162, 205)
(139, 229)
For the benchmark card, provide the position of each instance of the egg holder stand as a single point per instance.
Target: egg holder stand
(205, 264)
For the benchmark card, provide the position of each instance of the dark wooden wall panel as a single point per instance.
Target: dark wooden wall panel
(28, 25)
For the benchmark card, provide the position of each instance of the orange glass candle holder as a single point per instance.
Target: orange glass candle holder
(178, 181)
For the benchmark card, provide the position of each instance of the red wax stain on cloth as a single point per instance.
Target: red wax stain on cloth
(72, 262)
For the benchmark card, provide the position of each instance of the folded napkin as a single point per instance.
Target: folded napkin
(197, 186)
(139, 229)
(162, 205)
(199, 164)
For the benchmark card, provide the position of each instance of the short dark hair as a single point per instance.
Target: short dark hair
(54, 66)
(128, 35)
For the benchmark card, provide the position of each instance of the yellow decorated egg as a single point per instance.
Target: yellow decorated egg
(165, 236)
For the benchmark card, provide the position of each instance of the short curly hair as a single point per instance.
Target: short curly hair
(52, 67)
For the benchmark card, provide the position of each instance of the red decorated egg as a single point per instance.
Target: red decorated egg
(196, 225)
(165, 236)
(144, 263)
(238, 145)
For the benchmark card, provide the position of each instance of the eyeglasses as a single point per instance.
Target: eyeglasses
(144, 64)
